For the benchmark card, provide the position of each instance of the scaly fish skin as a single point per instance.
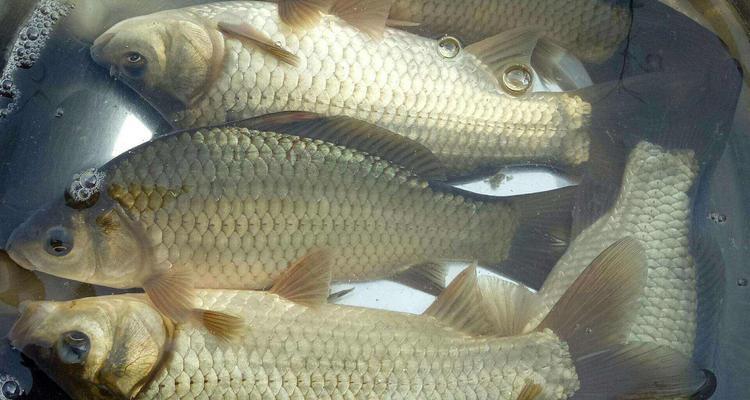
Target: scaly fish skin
(654, 207)
(235, 207)
(453, 107)
(590, 29)
(294, 351)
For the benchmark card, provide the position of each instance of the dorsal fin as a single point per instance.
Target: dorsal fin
(355, 134)
(245, 32)
(302, 13)
(307, 281)
(369, 16)
(460, 305)
(597, 309)
(508, 305)
(513, 47)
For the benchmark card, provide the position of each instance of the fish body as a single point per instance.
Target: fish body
(232, 207)
(197, 70)
(590, 29)
(654, 207)
(297, 346)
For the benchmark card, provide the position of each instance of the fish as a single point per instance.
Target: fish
(589, 29)
(299, 346)
(221, 62)
(654, 207)
(17, 284)
(231, 207)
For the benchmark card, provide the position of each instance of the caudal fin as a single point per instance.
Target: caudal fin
(594, 315)
(674, 110)
(542, 236)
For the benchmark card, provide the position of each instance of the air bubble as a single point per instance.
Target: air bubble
(517, 79)
(742, 282)
(449, 47)
(717, 218)
(32, 33)
(59, 112)
(85, 185)
(7, 85)
(11, 389)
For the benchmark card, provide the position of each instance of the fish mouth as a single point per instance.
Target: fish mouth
(16, 255)
(97, 49)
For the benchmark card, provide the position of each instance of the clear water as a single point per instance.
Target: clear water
(64, 114)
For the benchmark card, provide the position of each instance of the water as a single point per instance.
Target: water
(65, 114)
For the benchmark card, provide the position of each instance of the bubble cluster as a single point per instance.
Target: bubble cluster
(10, 388)
(33, 36)
(86, 185)
(29, 45)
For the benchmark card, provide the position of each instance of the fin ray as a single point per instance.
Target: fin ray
(369, 16)
(460, 305)
(356, 134)
(596, 310)
(171, 292)
(307, 281)
(246, 32)
(427, 277)
(302, 13)
(509, 305)
(224, 326)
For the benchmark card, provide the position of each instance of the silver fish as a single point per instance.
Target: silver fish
(231, 207)
(296, 346)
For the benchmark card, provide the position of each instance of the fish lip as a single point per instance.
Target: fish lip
(16, 255)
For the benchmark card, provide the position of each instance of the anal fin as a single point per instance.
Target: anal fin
(427, 277)
(460, 305)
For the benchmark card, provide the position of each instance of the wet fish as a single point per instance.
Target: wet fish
(297, 346)
(220, 62)
(590, 29)
(231, 207)
(17, 284)
(654, 207)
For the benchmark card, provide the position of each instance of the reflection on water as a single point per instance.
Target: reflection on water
(132, 133)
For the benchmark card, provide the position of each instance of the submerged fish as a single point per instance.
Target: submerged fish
(230, 208)
(221, 62)
(653, 207)
(17, 284)
(297, 346)
(590, 29)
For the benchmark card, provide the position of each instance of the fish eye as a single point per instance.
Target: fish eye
(134, 65)
(59, 242)
(73, 347)
(134, 58)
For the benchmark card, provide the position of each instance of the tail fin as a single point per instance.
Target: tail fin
(542, 236)
(593, 317)
(677, 111)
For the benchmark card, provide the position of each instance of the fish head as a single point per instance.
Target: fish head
(99, 245)
(167, 57)
(94, 348)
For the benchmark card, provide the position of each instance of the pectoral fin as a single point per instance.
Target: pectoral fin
(307, 281)
(171, 292)
(302, 13)
(247, 33)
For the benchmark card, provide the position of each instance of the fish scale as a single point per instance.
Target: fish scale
(653, 207)
(252, 202)
(289, 353)
(590, 29)
(452, 106)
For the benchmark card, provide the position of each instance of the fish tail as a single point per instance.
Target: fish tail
(593, 317)
(540, 238)
(691, 110)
